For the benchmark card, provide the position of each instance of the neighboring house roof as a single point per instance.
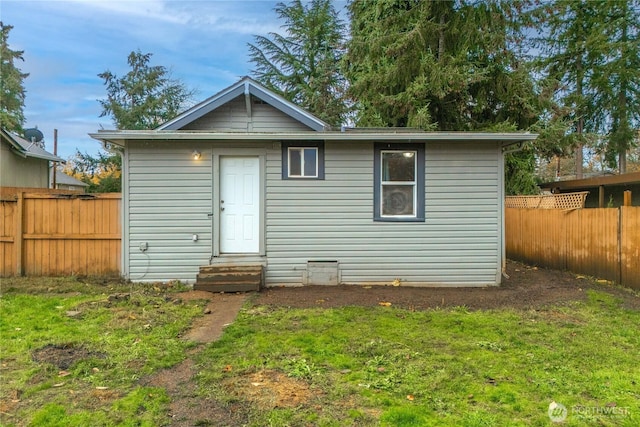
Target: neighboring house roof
(248, 87)
(64, 179)
(25, 148)
(596, 181)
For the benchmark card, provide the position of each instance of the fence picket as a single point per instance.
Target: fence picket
(603, 242)
(60, 234)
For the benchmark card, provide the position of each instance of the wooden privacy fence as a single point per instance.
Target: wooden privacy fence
(60, 234)
(603, 242)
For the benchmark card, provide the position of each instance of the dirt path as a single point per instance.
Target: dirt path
(186, 407)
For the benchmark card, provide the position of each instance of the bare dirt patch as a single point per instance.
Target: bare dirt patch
(525, 288)
(269, 389)
(63, 356)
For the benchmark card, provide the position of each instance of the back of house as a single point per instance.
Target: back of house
(246, 178)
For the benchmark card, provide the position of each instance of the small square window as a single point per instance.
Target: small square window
(303, 160)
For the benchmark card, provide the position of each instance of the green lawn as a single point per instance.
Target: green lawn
(326, 367)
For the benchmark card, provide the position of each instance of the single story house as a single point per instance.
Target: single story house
(248, 178)
(24, 163)
(604, 190)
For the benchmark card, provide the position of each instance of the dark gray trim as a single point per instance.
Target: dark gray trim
(289, 109)
(244, 86)
(285, 159)
(420, 190)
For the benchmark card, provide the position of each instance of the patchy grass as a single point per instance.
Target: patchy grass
(391, 367)
(72, 351)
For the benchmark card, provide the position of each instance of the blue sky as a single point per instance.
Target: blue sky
(67, 43)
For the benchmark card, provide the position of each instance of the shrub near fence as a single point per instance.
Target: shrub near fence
(60, 234)
(602, 242)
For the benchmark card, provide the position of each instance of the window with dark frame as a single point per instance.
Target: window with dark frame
(399, 182)
(303, 160)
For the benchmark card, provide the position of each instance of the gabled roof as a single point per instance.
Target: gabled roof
(24, 148)
(247, 87)
(64, 179)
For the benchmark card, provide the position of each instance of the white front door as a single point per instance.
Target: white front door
(239, 205)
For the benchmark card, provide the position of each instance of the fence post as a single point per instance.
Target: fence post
(627, 198)
(19, 234)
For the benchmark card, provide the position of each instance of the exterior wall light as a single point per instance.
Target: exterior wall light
(196, 154)
(408, 154)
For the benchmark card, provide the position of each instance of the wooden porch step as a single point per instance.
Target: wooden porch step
(229, 278)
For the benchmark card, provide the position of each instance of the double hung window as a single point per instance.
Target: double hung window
(399, 182)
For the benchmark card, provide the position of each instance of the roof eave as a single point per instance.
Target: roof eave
(120, 137)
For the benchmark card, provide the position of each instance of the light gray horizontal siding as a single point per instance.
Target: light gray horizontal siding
(170, 196)
(233, 116)
(169, 199)
(333, 220)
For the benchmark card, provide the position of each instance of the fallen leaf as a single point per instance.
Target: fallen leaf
(227, 368)
(366, 287)
(381, 369)
(102, 388)
(58, 385)
(319, 301)
(63, 373)
(132, 317)
(396, 282)
(384, 304)
(256, 384)
(410, 397)
(95, 370)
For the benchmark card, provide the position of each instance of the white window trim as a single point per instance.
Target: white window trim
(302, 162)
(413, 183)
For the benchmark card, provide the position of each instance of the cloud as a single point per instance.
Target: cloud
(68, 43)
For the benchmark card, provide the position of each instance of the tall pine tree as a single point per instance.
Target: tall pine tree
(443, 65)
(616, 81)
(12, 92)
(446, 65)
(145, 97)
(303, 65)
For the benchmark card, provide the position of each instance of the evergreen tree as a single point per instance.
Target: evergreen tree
(569, 44)
(446, 65)
(303, 65)
(12, 92)
(145, 97)
(616, 80)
